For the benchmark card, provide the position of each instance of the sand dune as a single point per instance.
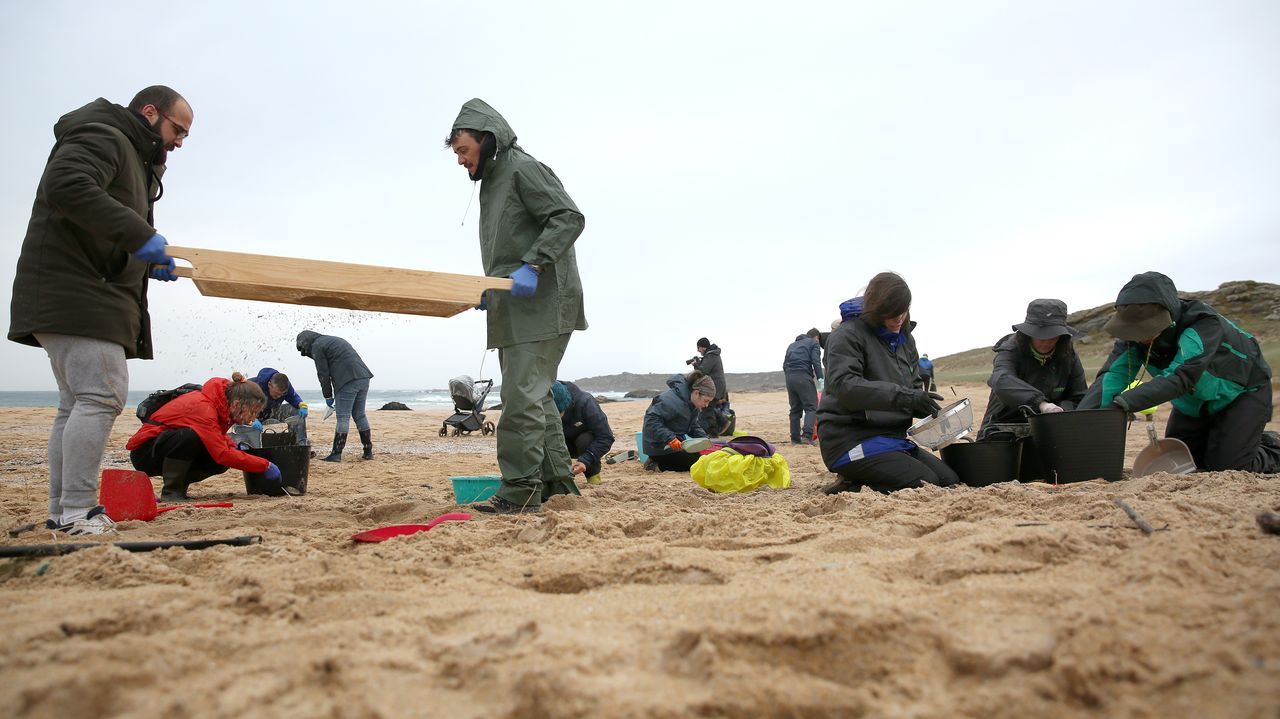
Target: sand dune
(650, 597)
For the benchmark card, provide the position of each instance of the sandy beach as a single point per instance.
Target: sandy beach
(648, 596)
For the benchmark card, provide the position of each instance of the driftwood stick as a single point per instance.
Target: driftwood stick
(1133, 514)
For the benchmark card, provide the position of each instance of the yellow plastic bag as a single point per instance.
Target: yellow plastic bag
(728, 471)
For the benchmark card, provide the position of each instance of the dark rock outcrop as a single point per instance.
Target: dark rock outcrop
(396, 405)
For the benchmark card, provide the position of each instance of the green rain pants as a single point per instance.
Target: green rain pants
(532, 454)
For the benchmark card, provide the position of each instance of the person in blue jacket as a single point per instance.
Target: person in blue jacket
(926, 372)
(675, 415)
(283, 403)
(587, 434)
(802, 368)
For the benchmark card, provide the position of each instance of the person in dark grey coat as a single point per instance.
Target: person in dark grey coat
(802, 369)
(672, 416)
(587, 434)
(80, 289)
(717, 418)
(1035, 367)
(344, 382)
(873, 390)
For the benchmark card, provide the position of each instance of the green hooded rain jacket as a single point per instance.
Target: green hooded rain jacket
(525, 216)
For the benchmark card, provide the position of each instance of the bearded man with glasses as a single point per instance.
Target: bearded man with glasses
(80, 291)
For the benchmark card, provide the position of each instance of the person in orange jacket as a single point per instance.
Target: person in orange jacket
(185, 440)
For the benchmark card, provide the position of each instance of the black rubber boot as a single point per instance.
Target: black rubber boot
(174, 472)
(366, 438)
(339, 443)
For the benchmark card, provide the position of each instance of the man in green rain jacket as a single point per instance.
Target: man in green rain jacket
(1210, 370)
(528, 225)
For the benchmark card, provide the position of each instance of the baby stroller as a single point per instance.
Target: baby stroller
(468, 403)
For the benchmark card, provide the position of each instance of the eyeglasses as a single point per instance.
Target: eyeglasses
(182, 131)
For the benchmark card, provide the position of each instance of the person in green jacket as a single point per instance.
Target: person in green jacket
(528, 225)
(1210, 370)
(80, 290)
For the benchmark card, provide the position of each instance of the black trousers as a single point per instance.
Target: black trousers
(181, 443)
(1231, 438)
(580, 444)
(676, 461)
(802, 396)
(892, 471)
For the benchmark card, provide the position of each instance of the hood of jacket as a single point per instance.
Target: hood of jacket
(712, 350)
(476, 114)
(306, 339)
(680, 384)
(1151, 288)
(850, 308)
(104, 112)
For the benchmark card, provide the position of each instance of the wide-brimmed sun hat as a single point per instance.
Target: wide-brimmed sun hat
(1046, 319)
(1138, 323)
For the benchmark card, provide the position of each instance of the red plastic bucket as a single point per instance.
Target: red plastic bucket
(127, 494)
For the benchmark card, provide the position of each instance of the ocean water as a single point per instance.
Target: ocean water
(424, 399)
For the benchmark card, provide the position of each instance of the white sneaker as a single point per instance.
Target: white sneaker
(95, 521)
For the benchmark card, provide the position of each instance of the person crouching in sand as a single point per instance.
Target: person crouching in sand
(873, 390)
(185, 440)
(672, 416)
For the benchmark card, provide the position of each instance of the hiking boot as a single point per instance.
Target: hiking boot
(498, 505)
(95, 521)
(339, 443)
(842, 485)
(1271, 439)
(175, 475)
(366, 439)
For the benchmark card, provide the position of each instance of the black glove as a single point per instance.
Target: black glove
(921, 403)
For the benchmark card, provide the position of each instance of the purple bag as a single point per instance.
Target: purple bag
(751, 445)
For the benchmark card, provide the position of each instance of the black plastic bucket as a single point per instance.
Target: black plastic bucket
(273, 438)
(981, 463)
(1030, 468)
(1081, 445)
(294, 462)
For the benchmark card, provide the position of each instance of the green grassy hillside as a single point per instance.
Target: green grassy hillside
(1254, 306)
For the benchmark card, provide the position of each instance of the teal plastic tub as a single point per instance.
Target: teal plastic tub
(467, 490)
(640, 448)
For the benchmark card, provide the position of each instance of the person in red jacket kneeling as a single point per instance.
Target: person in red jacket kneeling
(186, 440)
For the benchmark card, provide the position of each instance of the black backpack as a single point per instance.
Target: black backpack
(160, 398)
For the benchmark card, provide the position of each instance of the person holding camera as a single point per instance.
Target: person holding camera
(873, 391)
(717, 417)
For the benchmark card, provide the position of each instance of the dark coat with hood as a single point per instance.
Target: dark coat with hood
(525, 216)
(1018, 378)
(712, 366)
(1201, 363)
(804, 356)
(671, 415)
(336, 360)
(869, 387)
(208, 414)
(584, 415)
(76, 274)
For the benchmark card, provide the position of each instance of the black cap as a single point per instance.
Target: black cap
(1046, 319)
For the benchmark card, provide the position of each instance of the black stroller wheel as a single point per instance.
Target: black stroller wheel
(456, 431)
(444, 431)
(487, 429)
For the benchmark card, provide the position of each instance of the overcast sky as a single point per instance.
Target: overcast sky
(743, 168)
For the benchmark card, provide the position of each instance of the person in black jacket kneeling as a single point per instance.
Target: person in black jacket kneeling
(586, 428)
(873, 390)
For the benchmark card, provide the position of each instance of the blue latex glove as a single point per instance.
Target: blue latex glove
(257, 424)
(302, 411)
(484, 301)
(329, 401)
(273, 473)
(164, 272)
(524, 281)
(153, 251)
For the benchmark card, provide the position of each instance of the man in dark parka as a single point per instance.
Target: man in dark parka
(528, 227)
(80, 291)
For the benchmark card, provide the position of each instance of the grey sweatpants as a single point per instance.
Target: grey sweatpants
(93, 382)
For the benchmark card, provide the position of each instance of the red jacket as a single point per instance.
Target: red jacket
(208, 414)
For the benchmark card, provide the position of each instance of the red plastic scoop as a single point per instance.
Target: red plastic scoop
(382, 534)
